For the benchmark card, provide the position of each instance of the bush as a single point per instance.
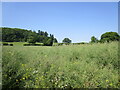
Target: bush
(7, 44)
(32, 44)
(59, 44)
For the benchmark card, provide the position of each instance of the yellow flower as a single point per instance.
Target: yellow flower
(106, 80)
(110, 84)
(23, 78)
(22, 64)
(36, 86)
(16, 80)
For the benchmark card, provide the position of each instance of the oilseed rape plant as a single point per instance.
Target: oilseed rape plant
(72, 66)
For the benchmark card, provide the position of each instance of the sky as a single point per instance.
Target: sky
(78, 21)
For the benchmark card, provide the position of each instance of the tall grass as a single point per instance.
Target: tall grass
(74, 66)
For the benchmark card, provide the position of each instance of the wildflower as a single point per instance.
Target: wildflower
(110, 84)
(16, 80)
(37, 87)
(23, 78)
(106, 80)
(66, 85)
(22, 64)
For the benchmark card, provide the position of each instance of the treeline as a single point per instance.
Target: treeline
(22, 35)
(106, 37)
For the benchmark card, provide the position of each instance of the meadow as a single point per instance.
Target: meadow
(68, 66)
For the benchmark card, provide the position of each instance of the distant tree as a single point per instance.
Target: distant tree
(55, 40)
(48, 42)
(94, 39)
(45, 34)
(22, 35)
(31, 40)
(66, 40)
(52, 37)
(110, 36)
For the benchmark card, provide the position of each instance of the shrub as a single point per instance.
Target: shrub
(7, 44)
(32, 44)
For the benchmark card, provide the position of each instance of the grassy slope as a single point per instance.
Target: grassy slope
(78, 66)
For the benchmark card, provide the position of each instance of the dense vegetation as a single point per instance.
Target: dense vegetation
(106, 37)
(22, 35)
(73, 66)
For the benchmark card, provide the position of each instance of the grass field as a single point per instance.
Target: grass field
(72, 66)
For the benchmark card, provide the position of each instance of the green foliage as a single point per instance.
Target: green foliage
(6, 44)
(22, 35)
(109, 36)
(32, 38)
(48, 42)
(94, 39)
(32, 44)
(66, 40)
(74, 66)
(55, 40)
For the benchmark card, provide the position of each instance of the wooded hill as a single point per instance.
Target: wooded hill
(22, 35)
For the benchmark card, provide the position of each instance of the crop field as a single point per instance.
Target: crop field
(68, 66)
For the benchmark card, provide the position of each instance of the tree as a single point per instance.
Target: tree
(66, 40)
(110, 36)
(46, 34)
(48, 42)
(22, 35)
(32, 40)
(94, 39)
(55, 40)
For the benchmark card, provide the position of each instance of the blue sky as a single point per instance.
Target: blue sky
(75, 20)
